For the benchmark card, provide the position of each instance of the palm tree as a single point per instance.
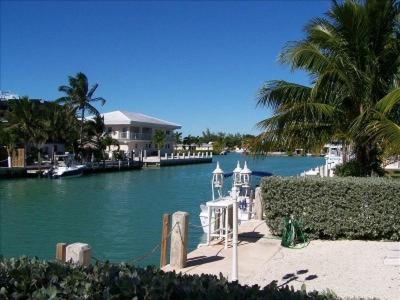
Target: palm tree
(159, 138)
(80, 98)
(8, 139)
(352, 57)
(106, 142)
(178, 137)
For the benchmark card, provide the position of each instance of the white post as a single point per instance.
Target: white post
(209, 225)
(166, 156)
(206, 154)
(159, 155)
(226, 215)
(211, 154)
(235, 236)
(172, 155)
(189, 154)
(145, 153)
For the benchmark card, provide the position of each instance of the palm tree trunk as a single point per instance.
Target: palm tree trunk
(81, 132)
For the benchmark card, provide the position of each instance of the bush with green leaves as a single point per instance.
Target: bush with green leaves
(26, 278)
(335, 208)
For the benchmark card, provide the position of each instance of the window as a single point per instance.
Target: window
(168, 132)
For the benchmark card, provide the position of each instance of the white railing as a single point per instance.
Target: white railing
(140, 136)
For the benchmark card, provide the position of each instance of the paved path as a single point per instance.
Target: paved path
(349, 268)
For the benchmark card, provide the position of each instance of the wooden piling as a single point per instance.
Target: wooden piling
(179, 239)
(61, 251)
(164, 239)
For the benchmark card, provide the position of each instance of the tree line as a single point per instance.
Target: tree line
(33, 123)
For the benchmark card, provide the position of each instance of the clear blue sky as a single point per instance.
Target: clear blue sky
(198, 64)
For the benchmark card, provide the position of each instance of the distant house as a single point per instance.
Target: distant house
(195, 147)
(134, 131)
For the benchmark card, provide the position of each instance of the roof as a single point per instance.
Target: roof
(131, 118)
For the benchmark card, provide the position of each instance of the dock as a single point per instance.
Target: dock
(177, 159)
(91, 168)
(366, 269)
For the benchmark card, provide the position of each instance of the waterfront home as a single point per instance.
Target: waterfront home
(135, 131)
(195, 147)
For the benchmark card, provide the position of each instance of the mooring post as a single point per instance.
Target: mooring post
(258, 205)
(164, 239)
(60, 251)
(79, 253)
(179, 237)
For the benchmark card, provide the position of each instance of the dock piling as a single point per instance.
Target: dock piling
(179, 239)
(164, 239)
(60, 251)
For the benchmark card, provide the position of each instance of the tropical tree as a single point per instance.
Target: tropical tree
(159, 138)
(178, 137)
(352, 56)
(80, 98)
(8, 139)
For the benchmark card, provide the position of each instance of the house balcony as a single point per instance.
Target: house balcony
(134, 136)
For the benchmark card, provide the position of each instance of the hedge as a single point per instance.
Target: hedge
(335, 208)
(26, 278)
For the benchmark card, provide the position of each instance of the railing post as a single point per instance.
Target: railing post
(179, 239)
(60, 251)
(164, 239)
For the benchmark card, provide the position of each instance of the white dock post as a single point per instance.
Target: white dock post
(179, 239)
(226, 215)
(172, 155)
(159, 155)
(189, 154)
(207, 154)
(209, 226)
(211, 154)
(235, 236)
(145, 154)
(166, 156)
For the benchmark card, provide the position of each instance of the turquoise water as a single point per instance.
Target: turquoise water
(118, 214)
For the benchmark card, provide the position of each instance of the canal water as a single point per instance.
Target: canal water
(118, 214)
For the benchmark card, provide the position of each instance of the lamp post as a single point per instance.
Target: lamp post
(234, 194)
(217, 181)
(237, 180)
(245, 177)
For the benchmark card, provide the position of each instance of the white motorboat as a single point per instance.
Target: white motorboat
(66, 167)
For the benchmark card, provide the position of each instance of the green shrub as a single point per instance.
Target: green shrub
(26, 278)
(333, 208)
(350, 168)
(356, 169)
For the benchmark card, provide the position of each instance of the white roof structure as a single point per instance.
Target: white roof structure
(131, 118)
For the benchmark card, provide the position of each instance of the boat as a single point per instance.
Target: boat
(66, 167)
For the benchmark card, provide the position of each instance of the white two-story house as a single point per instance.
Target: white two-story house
(134, 132)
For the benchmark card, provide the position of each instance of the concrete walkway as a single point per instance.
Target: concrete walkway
(349, 268)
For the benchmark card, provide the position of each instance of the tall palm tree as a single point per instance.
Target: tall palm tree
(80, 98)
(352, 56)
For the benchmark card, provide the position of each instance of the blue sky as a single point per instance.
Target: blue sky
(198, 64)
